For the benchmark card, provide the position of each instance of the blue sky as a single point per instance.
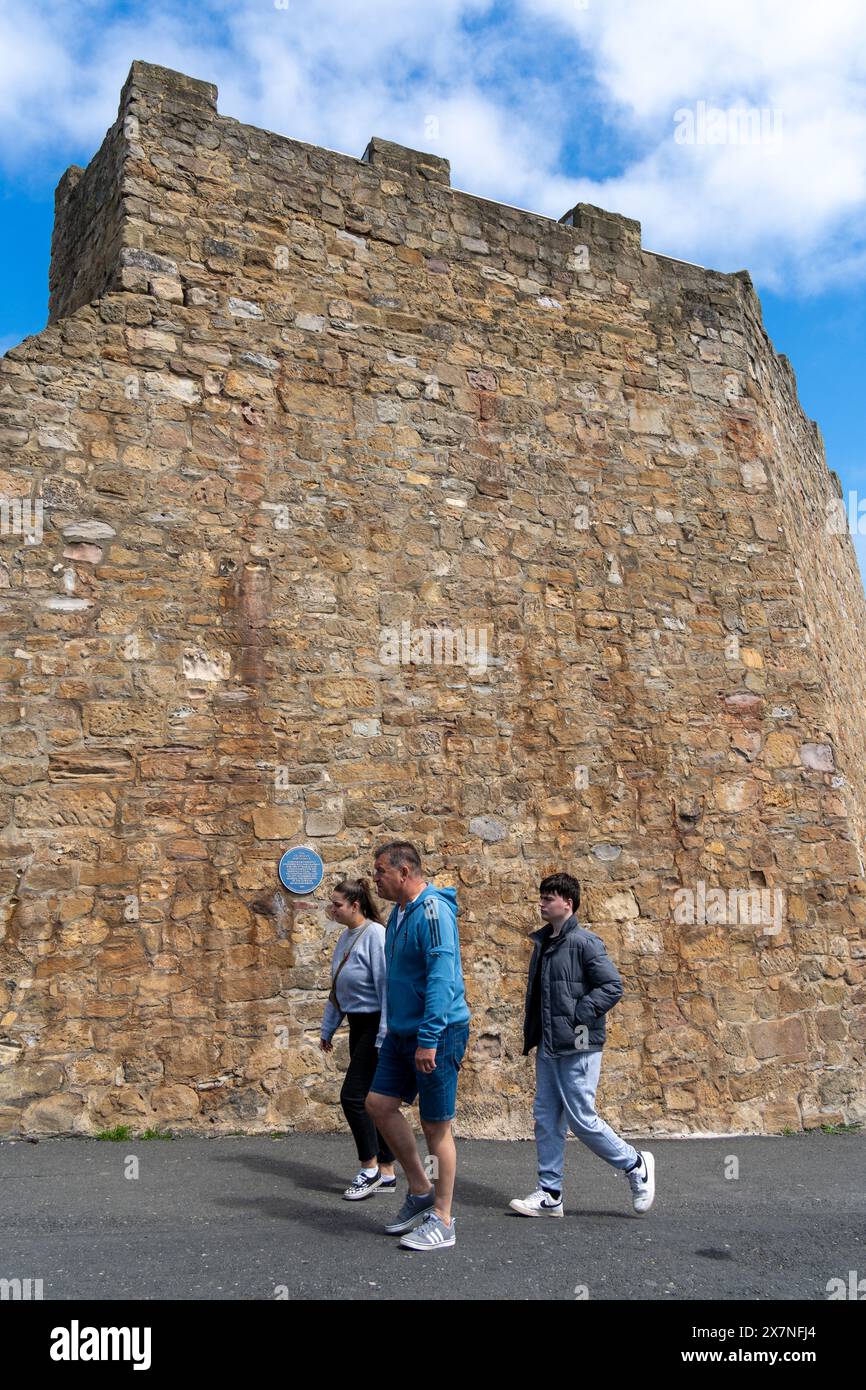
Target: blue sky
(538, 103)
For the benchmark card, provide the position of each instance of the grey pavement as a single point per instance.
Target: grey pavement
(236, 1218)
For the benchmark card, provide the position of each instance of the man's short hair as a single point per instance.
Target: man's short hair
(563, 885)
(400, 852)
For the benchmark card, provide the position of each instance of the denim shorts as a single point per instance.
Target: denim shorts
(436, 1090)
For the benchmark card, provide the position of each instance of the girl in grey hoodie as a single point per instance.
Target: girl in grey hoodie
(358, 993)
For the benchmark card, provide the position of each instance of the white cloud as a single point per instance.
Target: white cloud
(791, 211)
(331, 72)
(335, 72)
(29, 54)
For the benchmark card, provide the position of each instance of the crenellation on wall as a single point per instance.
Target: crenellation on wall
(408, 163)
(152, 88)
(614, 231)
(151, 101)
(89, 224)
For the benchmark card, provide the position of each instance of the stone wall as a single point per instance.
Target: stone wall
(89, 223)
(291, 403)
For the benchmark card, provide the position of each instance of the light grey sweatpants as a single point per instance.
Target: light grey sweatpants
(565, 1099)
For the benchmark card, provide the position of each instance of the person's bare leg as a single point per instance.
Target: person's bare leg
(395, 1130)
(386, 1169)
(440, 1143)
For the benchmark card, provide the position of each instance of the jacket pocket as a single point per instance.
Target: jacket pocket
(577, 999)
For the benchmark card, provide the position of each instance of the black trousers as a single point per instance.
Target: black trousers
(362, 1068)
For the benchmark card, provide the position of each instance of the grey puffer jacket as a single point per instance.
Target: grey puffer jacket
(578, 984)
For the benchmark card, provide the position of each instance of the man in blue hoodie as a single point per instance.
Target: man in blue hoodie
(428, 1029)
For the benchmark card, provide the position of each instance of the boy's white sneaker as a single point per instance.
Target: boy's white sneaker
(538, 1203)
(642, 1181)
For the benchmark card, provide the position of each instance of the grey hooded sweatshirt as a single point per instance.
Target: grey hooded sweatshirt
(361, 986)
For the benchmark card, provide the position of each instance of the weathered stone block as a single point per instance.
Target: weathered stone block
(785, 1038)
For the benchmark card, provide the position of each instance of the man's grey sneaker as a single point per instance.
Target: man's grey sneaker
(538, 1203)
(361, 1186)
(413, 1210)
(432, 1234)
(642, 1181)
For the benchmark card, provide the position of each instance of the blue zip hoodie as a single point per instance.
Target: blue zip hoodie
(425, 976)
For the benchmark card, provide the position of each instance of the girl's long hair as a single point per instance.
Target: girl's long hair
(357, 890)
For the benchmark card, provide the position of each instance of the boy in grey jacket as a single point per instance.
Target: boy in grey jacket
(572, 985)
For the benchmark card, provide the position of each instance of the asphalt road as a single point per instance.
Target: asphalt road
(236, 1218)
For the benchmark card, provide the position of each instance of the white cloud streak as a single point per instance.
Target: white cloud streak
(335, 72)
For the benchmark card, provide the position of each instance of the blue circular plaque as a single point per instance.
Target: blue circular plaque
(301, 869)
